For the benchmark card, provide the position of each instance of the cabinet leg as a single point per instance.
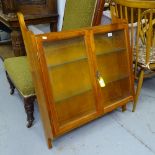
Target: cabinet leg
(49, 143)
(124, 108)
(29, 109)
(17, 43)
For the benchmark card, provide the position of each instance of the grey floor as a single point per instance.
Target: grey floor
(114, 134)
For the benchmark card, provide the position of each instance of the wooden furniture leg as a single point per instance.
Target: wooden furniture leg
(49, 143)
(29, 109)
(12, 87)
(124, 108)
(17, 43)
(53, 26)
(139, 86)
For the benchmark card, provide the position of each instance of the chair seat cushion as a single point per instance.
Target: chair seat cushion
(19, 73)
(142, 54)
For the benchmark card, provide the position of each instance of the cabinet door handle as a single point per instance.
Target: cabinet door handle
(100, 79)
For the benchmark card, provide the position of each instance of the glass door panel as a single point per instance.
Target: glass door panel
(70, 79)
(111, 55)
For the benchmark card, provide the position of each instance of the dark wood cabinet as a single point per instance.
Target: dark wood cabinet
(35, 12)
(7, 6)
(29, 7)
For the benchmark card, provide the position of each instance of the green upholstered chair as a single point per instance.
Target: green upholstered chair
(81, 13)
(19, 77)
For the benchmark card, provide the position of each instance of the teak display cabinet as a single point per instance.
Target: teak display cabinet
(69, 69)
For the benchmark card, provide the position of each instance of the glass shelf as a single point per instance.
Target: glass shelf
(68, 62)
(85, 58)
(119, 77)
(87, 89)
(99, 53)
(73, 94)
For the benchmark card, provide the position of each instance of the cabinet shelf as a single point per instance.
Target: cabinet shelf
(120, 77)
(85, 58)
(87, 89)
(110, 51)
(115, 103)
(73, 94)
(68, 62)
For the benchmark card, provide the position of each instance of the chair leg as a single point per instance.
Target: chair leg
(124, 108)
(139, 86)
(12, 87)
(29, 109)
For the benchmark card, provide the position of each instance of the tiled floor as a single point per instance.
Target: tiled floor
(114, 134)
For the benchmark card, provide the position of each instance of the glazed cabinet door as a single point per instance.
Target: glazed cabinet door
(114, 67)
(72, 81)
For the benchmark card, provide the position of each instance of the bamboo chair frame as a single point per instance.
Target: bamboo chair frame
(141, 18)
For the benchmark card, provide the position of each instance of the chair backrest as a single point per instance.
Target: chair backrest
(131, 11)
(31, 49)
(146, 36)
(140, 16)
(82, 13)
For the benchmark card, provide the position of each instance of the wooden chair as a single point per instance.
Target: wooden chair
(17, 68)
(140, 16)
(19, 77)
